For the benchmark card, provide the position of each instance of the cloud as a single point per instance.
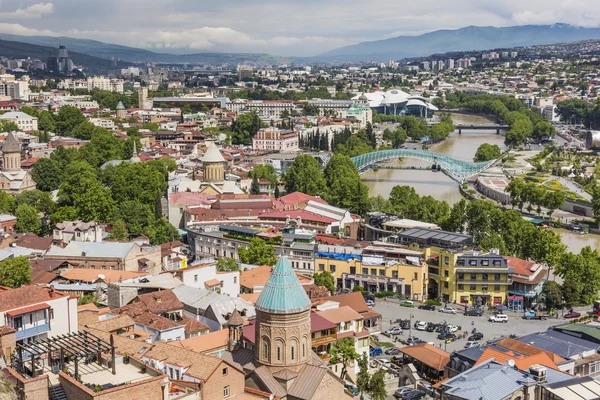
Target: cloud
(34, 11)
(18, 29)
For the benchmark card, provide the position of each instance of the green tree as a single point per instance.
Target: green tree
(326, 280)
(118, 232)
(255, 186)
(87, 299)
(377, 389)
(84, 130)
(7, 203)
(244, 128)
(596, 200)
(343, 352)
(543, 129)
(264, 171)
(15, 272)
(363, 378)
(519, 130)
(46, 121)
(305, 175)
(28, 219)
(345, 188)
(310, 109)
(258, 253)
(227, 265)
(487, 152)
(552, 293)
(6, 126)
(103, 147)
(67, 119)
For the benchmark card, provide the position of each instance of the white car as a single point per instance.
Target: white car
(452, 328)
(396, 330)
(385, 362)
(370, 303)
(421, 326)
(470, 345)
(498, 318)
(447, 310)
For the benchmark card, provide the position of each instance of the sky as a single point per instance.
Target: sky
(280, 27)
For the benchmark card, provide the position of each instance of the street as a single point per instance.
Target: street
(491, 330)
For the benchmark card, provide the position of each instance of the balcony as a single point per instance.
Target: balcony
(35, 330)
(373, 278)
(433, 271)
(481, 282)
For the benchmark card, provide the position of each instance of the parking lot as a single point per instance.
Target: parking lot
(516, 325)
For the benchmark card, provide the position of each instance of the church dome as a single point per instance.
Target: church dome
(213, 155)
(11, 144)
(283, 293)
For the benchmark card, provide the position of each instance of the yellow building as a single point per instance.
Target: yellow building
(394, 269)
(469, 278)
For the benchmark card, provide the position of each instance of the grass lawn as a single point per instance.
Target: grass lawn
(381, 344)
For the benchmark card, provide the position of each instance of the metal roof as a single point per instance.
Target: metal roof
(559, 343)
(283, 293)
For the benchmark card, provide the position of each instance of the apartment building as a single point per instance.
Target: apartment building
(26, 123)
(276, 140)
(109, 84)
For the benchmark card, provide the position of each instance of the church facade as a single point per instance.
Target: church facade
(13, 179)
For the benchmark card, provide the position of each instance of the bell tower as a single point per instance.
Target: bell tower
(11, 154)
(235, 325)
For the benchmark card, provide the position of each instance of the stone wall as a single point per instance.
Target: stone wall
(151, 388)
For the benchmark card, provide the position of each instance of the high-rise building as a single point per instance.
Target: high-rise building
(441, 65)
(450, 63)
(143, 98)
(61, 64)
(63, 52)
(244, 72)
(426, 66)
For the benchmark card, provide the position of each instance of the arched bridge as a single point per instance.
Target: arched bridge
(458, 170)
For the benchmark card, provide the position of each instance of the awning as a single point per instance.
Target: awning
(518, 298)
(27, 309)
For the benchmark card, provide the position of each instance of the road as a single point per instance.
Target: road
(491, 330)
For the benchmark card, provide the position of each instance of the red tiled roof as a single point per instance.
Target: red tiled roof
(521, 267)
(25, 296)
(318, 323)
(304, 215)
(249, 333)
(28, 309)
(299, 197)
(428, 355)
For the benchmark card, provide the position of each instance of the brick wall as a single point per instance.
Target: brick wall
(8, 342)
(34, 388)
(235, 379)
(151, 388)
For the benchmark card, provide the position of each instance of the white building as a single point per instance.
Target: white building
(13, 88)
(206, 276)
(550, 113)
(78, 231)
(362, 114)
(109, 84)
(103, 123)
(274, 139)
(26, 123)
(37, 313)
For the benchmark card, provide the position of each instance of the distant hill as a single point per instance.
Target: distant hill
(23, 50)
(464, 39)
(131, 54)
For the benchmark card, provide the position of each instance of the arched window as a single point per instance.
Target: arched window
(303, 350)
(265, 350)
(278, 353)
(293, 352)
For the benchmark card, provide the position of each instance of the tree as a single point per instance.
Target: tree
(363, 378)
(305, 175)
(325, 279)
(6, 126)
(7, 203)
(543, 129)
(28, 219)
(244, 128)
(118, 233)
(84, 130)
(310, 109)
(227, 265)
(552, 293)
(46, 121)
(255, 186)
(345, 188)
(487, 152)
(67, 119)
(264, 171)
(519, 130)
(377, 389)
(596, 200)
(15, 272)
(343, 352)
(258, 253)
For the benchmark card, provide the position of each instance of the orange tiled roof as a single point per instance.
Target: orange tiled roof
(428, 355)
(205, 343)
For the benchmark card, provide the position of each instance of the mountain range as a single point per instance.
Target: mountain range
(441, 41)
(135, 55)
(464, 39)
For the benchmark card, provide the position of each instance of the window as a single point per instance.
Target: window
(373, 271)
(594, 367)
(31, 318)
(303, 350)
(235, 279)
(484, 287)
(484, 277)
(224, 371)
(177, 374)
(496, 277)
(278, 353)
(473, 263)
(461, 286)
(265, 350)
(472, 287)
(171, 373)
(461, 276)
(365, 271)
(485, 263)
(352, 270)
(292, 352)
(446, 273)
(445, 285)
(473, 277)
(321, 267)
(395, 274)
(332, 268)
(195, 278)
(382, 272)
(446, 260)
(226, 391)
(52, 313)
(415, 276)
(496, 287)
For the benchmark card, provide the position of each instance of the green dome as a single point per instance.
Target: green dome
(283, 293)
(120, 106)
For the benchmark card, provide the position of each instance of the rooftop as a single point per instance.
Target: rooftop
(428, 355)
(283, 292)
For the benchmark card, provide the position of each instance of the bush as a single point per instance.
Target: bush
(433, 302)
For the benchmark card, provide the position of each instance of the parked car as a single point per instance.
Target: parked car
(414, 395)
(474, 313)
(448, 310)
(375, 351)
(498, 318)
(471, 344)
(404, 323)
(402, 391)
(446, 336)
(475, 336)
(431, 327)
(412, 340)
(421, 326)
(452, 328)
(441, 328)
(573, 314)
(368, 297)
(370, 303)
(394, 330)
(407, 303)
(392, 351)
(352, 389)
(385, 362)
(429, 307)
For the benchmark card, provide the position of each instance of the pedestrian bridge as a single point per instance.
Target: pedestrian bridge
(458, 170)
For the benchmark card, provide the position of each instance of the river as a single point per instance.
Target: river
(441, 187)
(435, 184)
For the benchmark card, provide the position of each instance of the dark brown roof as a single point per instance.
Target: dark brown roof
(354, 300)
(235, 319)
(159, 302)
(24, 296)
(11, 144)
(32, 241)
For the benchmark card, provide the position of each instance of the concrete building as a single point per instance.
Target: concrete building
(276, 140)
(205, 276)
(78, 231)
(362, 114)
(25, 122)
(143, 98)
(108, 84)
(13, 179)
